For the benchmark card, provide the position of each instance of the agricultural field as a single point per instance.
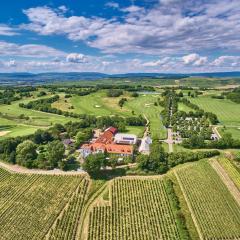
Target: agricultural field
(215, 212)
(231, 170)
(137, 209)
(227, 111)
(35, 206)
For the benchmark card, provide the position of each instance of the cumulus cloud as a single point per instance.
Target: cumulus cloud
(28, 50)
(76, 58)
(170, 27)
(226, 61)
(47, 21)
(194, 59)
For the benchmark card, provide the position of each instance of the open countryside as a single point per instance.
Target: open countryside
(120, 120)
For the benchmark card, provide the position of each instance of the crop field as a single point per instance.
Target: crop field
(30, 205)
(216, 213)
(231, 170)
(227, 111)
(138, 209)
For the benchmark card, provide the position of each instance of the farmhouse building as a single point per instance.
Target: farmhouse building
(107, 142)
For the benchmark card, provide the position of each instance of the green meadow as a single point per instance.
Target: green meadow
(227, 111)
(99, 104)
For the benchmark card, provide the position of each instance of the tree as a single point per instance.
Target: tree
(26, 154)
(94, 162)
(55, 153)
(157, 160)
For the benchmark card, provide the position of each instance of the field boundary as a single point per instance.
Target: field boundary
(18, 169)
(226, 180)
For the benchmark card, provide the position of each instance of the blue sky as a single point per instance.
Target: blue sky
(120, 36)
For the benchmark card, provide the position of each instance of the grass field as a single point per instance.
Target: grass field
(216, 213)
(235, 131)
(100, 105)
(30, 204)
(138, 209)
(183, 107)
(18, 127)
(227, 111)
(144, 104)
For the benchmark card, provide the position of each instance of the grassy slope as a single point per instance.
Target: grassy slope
(23, 127)
(109, 106)
(227, 111)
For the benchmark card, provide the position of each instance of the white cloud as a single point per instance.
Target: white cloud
(76, 58)
(7, 31)
(233, 61)
(11, 63)
(132, 9)
(156, 63)
(194, 59)
(180, 27)
(63, 8)
(46, 21)
(28, 50)
(112, 5)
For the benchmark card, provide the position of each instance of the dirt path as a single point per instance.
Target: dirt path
(19, 169)
(189, 207)
(3, 133)
(227, 180)
(215, 130)
(82, 232)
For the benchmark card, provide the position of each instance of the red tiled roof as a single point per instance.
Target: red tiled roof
(105, 138)
(112, 130)
(116, 148)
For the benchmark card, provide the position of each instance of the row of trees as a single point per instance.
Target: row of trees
(160, 162)
(234, 95)
(197, 141)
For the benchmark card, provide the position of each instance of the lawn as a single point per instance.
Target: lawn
(235, 131)
(227, 111)
(183, 107)
(11, 122)
(100, 105)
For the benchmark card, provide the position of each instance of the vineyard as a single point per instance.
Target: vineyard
(138, 209)
(216, 213)
(233, 173)
(30, 204)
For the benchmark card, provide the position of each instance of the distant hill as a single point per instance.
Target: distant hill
(45, 78)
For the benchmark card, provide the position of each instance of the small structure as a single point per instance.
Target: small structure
(145, 145)
(123, 138)
(214, 136)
